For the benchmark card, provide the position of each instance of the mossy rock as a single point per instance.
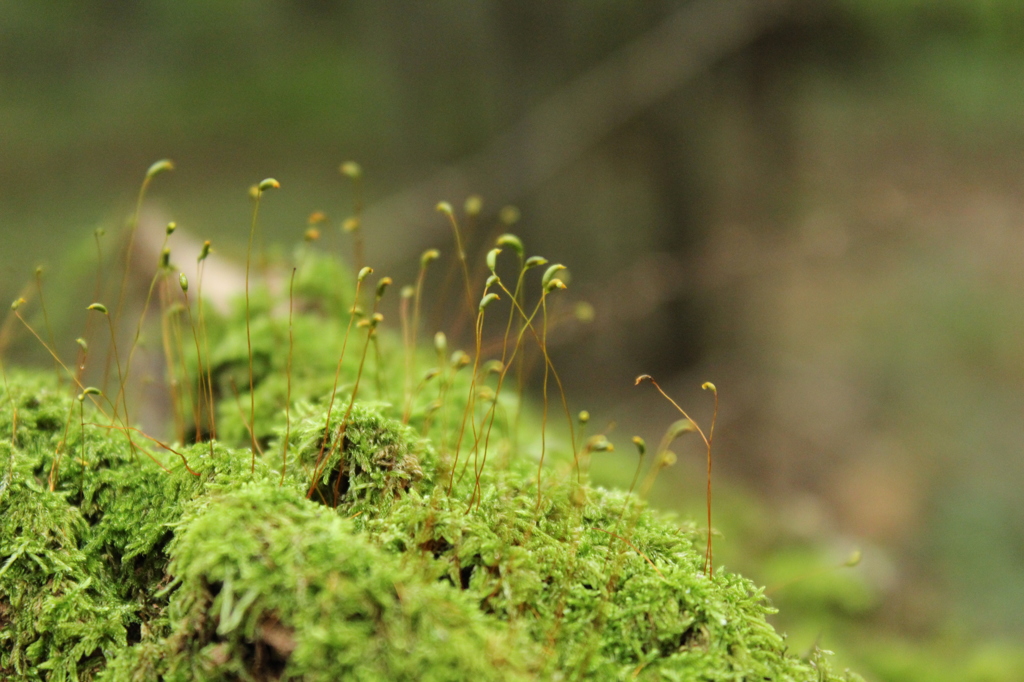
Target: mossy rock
(231, 569)
(374, 536)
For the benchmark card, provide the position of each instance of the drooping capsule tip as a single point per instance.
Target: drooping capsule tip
(487, 300)
(492, 259)
(550, 273)
(512, 241)
(428, 257)
(641, 445)
(159, 167)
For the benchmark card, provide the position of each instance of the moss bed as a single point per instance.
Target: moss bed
(134, 560)
(126, 572)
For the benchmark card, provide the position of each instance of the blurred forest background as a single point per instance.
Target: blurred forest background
(817, 205)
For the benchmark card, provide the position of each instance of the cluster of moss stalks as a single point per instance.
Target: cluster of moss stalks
(346, 549)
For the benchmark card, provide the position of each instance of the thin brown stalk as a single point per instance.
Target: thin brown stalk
(708, 439)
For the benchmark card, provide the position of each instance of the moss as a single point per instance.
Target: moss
(273, 586)
(368, 466)
(369, 553)
(57, 611)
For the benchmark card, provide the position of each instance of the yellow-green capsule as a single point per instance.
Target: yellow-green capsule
(98, 307)
(382, 286)
(550, 273)
(555, 284)
(269, 183)
(183, 281)
(428, 257)
(159, 167)
(487, 300)
(492, 259)
(364, 273)
(512, 241)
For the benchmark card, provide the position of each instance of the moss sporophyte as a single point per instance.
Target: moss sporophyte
(353, 507)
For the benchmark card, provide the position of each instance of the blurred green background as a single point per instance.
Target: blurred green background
(817, 205)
